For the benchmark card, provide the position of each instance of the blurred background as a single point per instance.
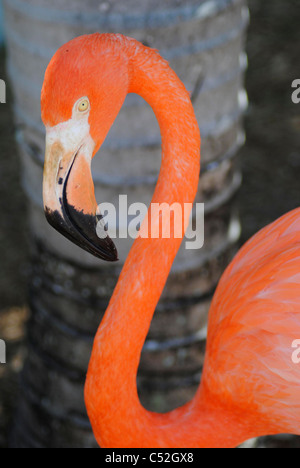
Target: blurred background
(270, 162)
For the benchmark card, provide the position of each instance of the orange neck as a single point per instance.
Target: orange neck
(117, 417)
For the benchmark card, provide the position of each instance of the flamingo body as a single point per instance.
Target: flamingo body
(250, 384)
(253, 321)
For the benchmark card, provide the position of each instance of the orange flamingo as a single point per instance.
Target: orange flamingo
(250, 384)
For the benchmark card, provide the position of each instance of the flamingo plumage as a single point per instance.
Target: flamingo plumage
(250, 384)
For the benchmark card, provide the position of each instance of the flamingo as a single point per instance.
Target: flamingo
(250, 383)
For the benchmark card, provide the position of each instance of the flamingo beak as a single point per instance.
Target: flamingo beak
(69, 198)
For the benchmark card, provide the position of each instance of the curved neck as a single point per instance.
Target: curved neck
(117, 417)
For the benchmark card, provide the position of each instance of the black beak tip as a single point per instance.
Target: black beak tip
(80, 229)
(107, 250)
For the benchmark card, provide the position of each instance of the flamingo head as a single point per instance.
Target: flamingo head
(84, 89)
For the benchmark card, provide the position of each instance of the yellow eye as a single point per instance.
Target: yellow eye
(83, 106)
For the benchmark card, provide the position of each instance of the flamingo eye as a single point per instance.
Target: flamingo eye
(83, 105)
